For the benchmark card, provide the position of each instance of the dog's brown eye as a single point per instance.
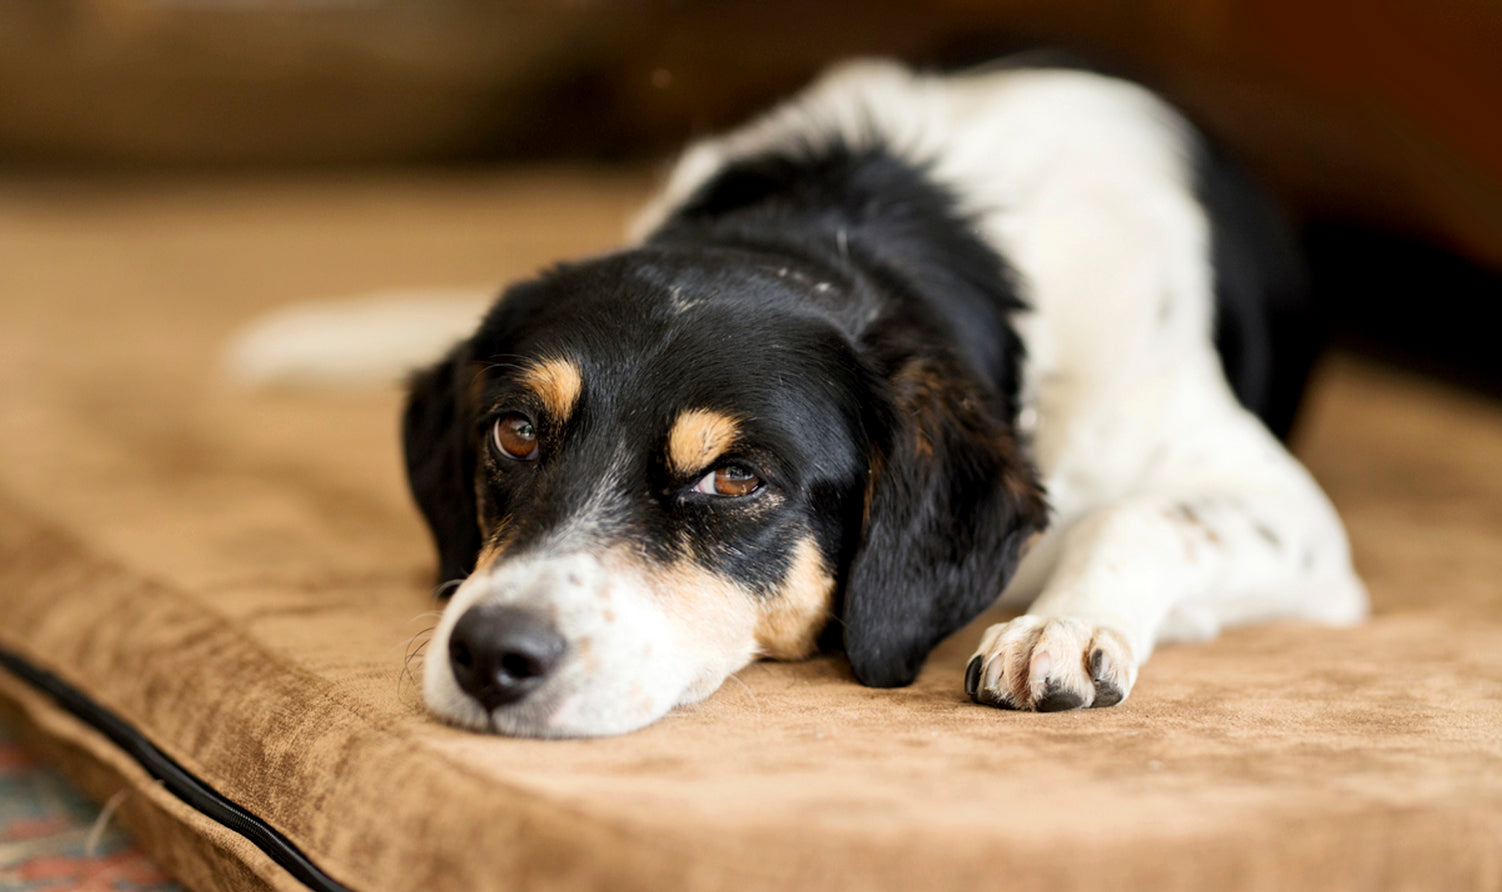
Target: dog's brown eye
(728, 480)
(516, 437)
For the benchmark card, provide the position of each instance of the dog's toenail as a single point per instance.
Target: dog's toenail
(1056, 699)
(972, 676)
(1106, 694)
(999, 701)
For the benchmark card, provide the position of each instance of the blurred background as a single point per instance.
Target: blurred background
(1378, 122)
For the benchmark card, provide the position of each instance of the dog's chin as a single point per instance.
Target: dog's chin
(585, 713)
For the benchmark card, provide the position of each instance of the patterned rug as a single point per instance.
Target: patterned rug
(51, 837)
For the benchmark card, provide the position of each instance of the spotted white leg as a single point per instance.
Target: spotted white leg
(1246, 543)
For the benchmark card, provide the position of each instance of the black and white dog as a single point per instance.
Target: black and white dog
(904, 345)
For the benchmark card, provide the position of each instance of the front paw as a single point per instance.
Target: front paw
(1049, 664)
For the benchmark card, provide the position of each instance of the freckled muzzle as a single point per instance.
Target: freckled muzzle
(567, 646)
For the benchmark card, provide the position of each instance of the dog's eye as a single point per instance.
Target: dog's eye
(516, 437)
(728, 480)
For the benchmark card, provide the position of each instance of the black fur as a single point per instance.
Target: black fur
(943, 526)
(864, 210)
(836, 300)
(1267, 330)
(438, 443)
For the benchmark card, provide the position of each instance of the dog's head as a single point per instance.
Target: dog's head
(651, 468)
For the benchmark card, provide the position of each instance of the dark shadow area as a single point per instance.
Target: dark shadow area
(1408, 302)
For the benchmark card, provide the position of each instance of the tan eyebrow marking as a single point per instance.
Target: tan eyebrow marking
(789, 623)
(557, 383)
(698, 437)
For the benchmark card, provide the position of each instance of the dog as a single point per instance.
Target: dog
(902, 346)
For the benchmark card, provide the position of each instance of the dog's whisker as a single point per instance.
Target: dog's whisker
(415, 647)
(414, 650)
(446, 588)
(755, 701)
(406, 644)
(407, 675)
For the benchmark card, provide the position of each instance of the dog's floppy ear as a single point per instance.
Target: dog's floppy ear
(949, 504)
(436, 437)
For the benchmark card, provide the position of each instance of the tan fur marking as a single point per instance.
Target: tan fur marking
(496, 543)
(698, 437)
(922, 445)
(789, 623)
(921, 389)
(729, 624)
(488, 555)
(714, 615)
(926, 394)
(558, 383)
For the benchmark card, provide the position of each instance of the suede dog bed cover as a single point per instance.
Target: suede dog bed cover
(239, 577)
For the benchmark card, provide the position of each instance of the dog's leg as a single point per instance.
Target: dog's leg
(1232, 530)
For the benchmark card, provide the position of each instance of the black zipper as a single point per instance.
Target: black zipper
(176, 779)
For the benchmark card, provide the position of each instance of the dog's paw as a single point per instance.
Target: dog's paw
(1049, 664)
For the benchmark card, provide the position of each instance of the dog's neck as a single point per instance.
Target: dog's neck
(869, 222)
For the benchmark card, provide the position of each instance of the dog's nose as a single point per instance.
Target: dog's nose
(501, 654)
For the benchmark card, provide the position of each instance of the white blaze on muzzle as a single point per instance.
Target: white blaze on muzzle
(623, 643)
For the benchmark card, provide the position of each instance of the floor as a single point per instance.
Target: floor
(53, 838)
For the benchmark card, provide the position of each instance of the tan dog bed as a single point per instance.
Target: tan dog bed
(237, 578)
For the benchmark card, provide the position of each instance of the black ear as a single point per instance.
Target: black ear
(437, 436)
(950, 502)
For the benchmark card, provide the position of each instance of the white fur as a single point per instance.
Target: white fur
(1176, 511)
